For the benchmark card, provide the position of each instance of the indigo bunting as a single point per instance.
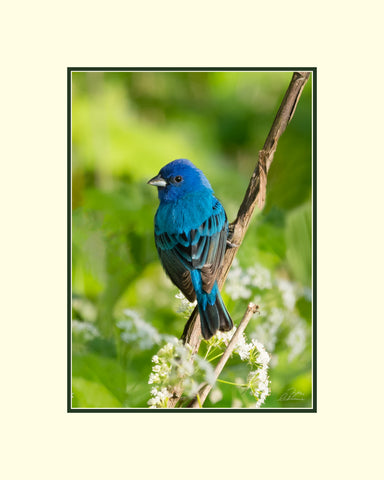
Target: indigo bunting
(191, 231)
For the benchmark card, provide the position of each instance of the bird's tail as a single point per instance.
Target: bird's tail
(214, 317)
(213, 313)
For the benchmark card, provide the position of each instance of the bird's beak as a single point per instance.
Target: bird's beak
(157, 181)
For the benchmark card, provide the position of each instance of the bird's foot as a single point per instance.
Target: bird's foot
(232, 245)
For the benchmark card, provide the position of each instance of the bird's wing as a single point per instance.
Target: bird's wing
(177, 271)
(201, 249)
(208, 252)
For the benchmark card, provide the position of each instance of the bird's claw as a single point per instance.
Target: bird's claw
(232, 245)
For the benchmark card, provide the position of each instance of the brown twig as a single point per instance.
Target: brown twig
(255, 195)
(204, 391)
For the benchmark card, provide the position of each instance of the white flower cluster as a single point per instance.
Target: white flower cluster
(173, 362)
(87, 330)
(256, 355)
(240, 282)
(253, 353)
(266, 331)
(258, 380)
(221, 339)
(288, 291)
(258, 384)
(259, 276)
(162, 365)
(243, 348)
(297, 338)
(159, 398)
(236, 284)
(185, 307)
(137, 331)
(206, 369)
(160, 375)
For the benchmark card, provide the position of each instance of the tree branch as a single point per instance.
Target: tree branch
(204, 391)
(255, 195)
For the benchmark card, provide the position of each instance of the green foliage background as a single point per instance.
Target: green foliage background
(125, 127)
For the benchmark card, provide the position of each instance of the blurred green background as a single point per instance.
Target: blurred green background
(125, 127)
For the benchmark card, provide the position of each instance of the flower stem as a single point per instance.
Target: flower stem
(217, 356)
(206, 355)
(232, 383)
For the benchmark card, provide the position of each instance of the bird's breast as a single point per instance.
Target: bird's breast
(183, 214)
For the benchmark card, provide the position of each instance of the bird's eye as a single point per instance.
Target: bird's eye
(178, 179)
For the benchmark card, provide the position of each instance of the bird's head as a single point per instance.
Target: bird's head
(179, 178)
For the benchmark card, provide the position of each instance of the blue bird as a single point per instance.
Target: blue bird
(191, 231)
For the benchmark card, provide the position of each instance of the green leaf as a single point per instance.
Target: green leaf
(298, 236)
(88, 394)
(98, 381)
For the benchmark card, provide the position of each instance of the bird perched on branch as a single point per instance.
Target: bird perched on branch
(191, 231)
